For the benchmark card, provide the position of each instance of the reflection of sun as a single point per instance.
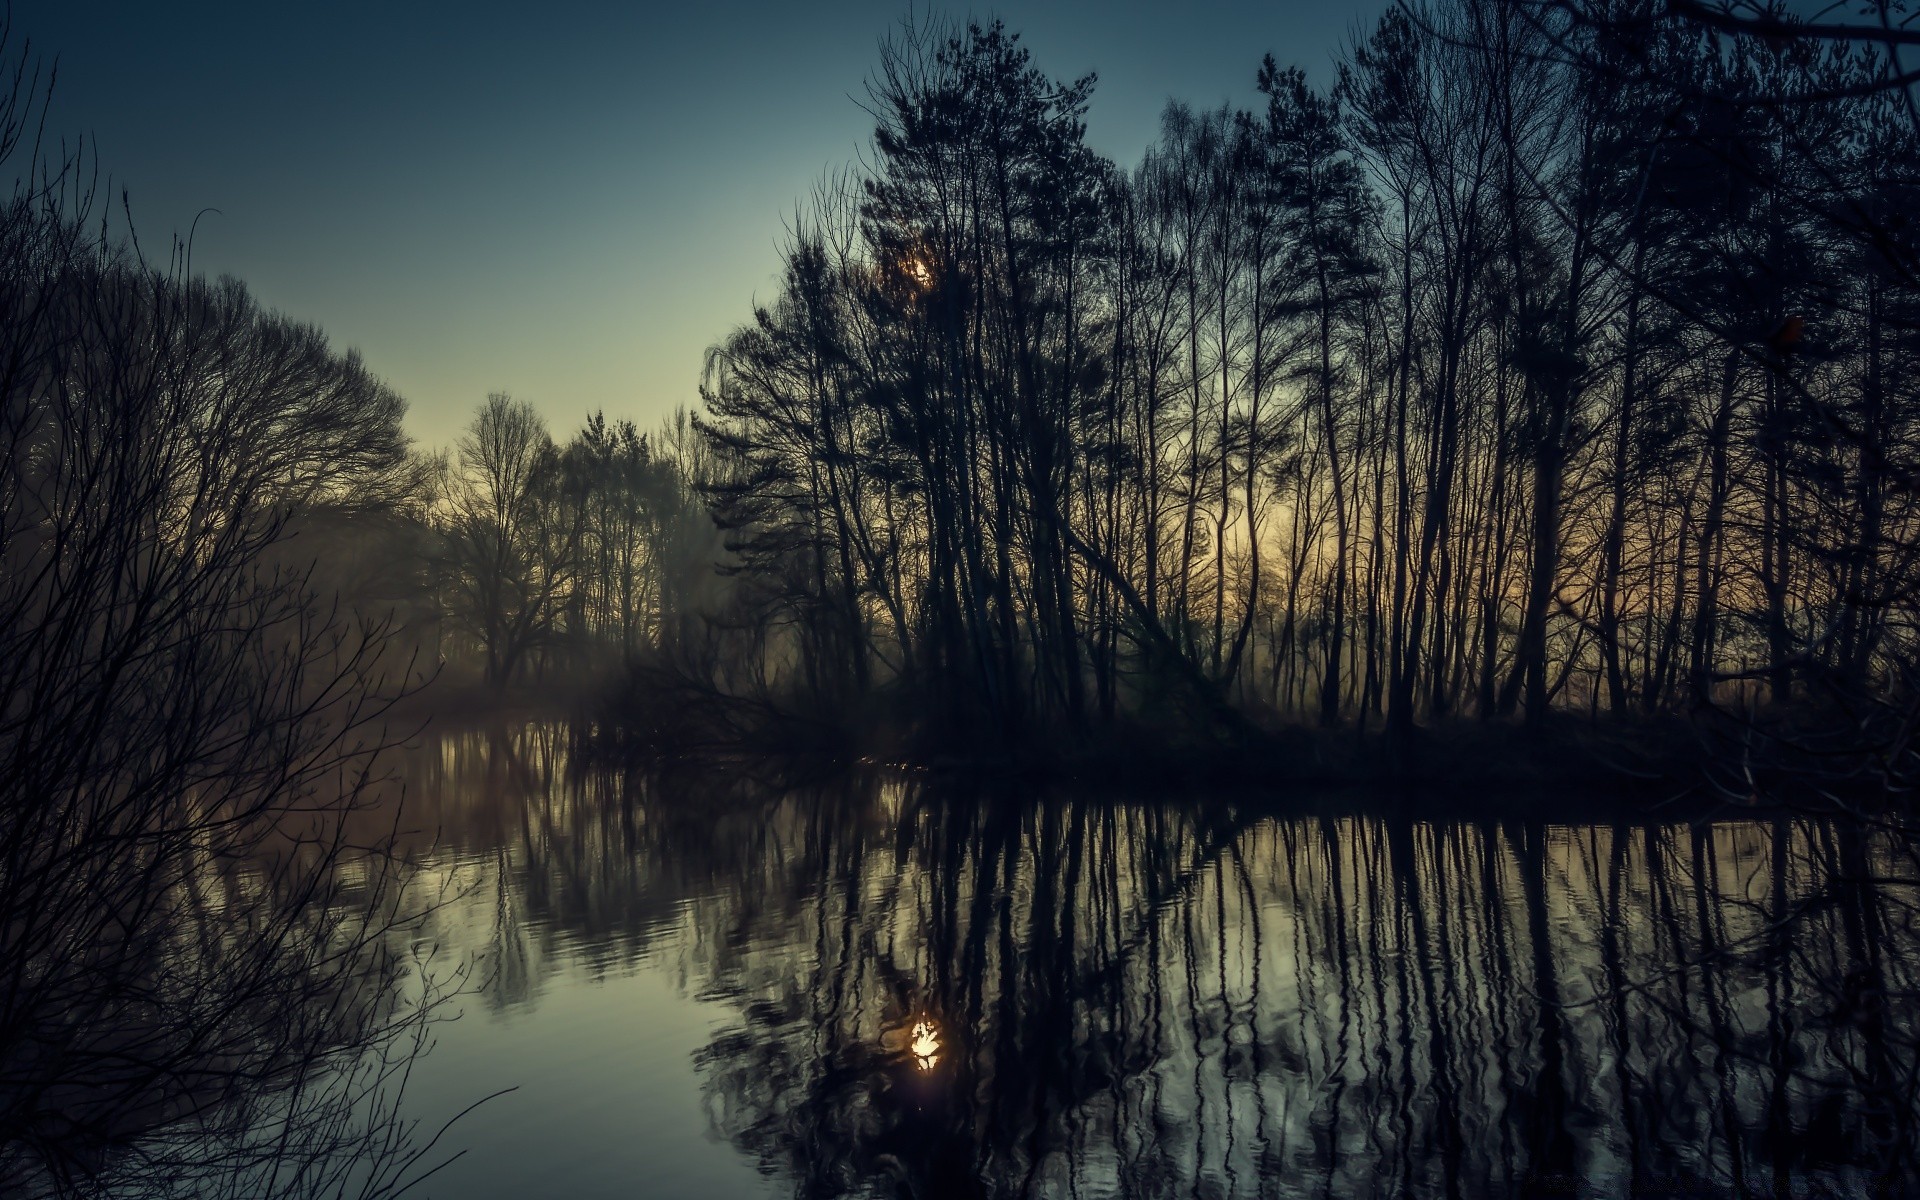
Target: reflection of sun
(926, 1044)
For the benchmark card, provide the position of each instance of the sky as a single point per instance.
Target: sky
(568, 201)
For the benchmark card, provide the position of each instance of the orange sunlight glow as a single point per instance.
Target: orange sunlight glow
(926, 1044)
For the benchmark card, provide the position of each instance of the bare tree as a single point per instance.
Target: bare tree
(514, 533)
(198, 989)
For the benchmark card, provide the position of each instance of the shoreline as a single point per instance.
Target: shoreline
(1461, 766)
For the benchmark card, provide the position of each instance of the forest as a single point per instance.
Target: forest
(1549, 360)
(1553, 358)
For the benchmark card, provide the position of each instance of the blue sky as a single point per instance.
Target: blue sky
(568, 201)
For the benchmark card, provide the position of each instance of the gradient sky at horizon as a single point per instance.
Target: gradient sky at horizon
(568, 203)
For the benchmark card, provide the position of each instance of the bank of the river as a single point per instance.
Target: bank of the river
(1572, 768)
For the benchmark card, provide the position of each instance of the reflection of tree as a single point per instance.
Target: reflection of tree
(1159, 998)
(253, 1036)
(1131, 1003)
(580, 869)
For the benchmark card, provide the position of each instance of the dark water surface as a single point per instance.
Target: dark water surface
(721, 986)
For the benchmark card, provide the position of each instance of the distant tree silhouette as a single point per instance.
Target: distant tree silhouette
(551, 555)
(513, 531)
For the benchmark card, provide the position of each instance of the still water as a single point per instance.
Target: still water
(712, 984)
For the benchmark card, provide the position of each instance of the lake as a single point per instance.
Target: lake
(715, 982)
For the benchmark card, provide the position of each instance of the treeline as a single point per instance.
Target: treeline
(507, 559)
(1553, 355)
(535, 557)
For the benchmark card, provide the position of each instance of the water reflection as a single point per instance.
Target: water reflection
(925, 1045)
(245, 1027)
(944, 991)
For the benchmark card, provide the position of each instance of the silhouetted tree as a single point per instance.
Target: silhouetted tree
(198, 991)
(1557, 354)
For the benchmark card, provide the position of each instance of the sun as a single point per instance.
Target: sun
(926, 1044)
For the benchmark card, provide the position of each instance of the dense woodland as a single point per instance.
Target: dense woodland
(1550, 357)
